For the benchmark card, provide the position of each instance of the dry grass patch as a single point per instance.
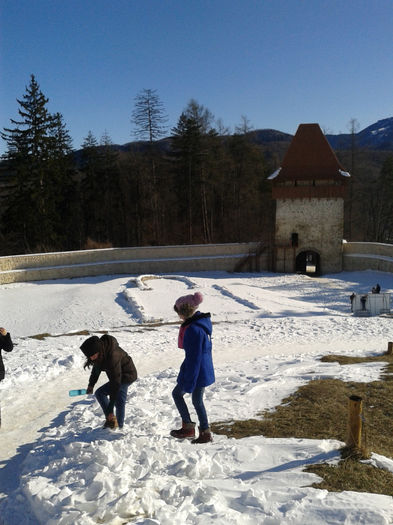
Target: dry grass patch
(41, 337)
(352, 475)
(319, 410)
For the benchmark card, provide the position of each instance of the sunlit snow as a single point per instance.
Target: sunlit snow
(58, 466)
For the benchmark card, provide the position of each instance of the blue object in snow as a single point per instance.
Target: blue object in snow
(79, 392)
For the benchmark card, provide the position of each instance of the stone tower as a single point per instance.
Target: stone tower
(309, 190)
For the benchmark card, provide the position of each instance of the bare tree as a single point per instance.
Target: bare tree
(353, 127)
(149, 119)
(148, 116)
(244, 127)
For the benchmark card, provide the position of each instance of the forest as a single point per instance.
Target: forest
(195, 184)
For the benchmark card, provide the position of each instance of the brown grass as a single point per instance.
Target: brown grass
(319, 410)
(43, 336)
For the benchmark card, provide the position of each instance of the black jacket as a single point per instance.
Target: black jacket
(117, 364)
(5, 344)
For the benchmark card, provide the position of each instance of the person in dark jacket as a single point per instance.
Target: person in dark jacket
(7, 345)
(196, 371)
(376, 288)
(105, 355)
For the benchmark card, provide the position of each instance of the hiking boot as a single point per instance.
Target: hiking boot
(111, 423)
(205, 436)
(186, 431)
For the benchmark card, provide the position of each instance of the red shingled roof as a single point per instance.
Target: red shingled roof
(309, 156)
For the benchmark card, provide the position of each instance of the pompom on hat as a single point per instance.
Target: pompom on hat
(91, 346)
(193, 300)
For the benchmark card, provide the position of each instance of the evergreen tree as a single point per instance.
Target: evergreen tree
(247, 196)
(193, 141)
(100, 188)
(36, 143)
(109, 198)
(89, 185)
(379, 210)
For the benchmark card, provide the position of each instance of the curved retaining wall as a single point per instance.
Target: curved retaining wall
(151, 259)
(169, 259)
(367, 256)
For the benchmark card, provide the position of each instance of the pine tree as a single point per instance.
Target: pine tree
(247, 196)
(193, 141)
(90, 185)
(36, 143)
(380, 205)
(64, 188)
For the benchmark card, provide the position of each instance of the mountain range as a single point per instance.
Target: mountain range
(378, 136)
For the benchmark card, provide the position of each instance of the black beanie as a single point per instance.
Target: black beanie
(91, 346)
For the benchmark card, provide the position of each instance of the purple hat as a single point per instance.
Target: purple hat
(194, 300)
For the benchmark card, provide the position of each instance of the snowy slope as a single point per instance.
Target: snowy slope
(58, 466)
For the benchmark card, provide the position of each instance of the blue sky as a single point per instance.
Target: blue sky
(278, 62)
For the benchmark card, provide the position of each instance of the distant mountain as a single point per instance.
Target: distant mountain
(378, 136)
(264, 136)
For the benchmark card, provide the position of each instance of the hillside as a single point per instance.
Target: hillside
(378, 136)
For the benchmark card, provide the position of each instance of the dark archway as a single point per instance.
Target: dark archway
(309, 263)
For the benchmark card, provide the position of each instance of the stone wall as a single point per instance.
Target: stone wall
(157, 259)
(319, 225)
(194, 258)
(367, 256)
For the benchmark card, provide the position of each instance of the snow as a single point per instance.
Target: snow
(344, 173)
(275, 174)
(58, 466)
(380, 130)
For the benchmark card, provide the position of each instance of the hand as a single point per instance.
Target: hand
(3, 331)
(89, 390)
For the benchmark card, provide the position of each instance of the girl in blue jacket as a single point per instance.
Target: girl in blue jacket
(196, 371)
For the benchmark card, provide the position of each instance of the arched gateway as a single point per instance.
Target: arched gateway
(308, 262)
(309, 190)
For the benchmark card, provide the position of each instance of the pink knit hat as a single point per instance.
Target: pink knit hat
(193, 300)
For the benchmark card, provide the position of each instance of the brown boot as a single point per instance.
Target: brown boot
(205, 436)
(187, 430)
(112, 423)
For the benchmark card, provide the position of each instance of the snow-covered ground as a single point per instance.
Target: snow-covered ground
(58, 466)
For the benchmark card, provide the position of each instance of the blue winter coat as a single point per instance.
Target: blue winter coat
(197, 368)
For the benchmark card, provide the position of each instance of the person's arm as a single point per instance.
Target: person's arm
(6, 342)
(95, 374)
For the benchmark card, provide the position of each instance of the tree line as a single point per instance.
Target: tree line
(199, 185)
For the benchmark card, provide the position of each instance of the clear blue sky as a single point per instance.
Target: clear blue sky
(278, 62)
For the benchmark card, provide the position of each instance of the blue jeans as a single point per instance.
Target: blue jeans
(197, 401)
(102, 395)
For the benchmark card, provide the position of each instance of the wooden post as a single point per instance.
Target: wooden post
(390, 348)
(355, 423)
